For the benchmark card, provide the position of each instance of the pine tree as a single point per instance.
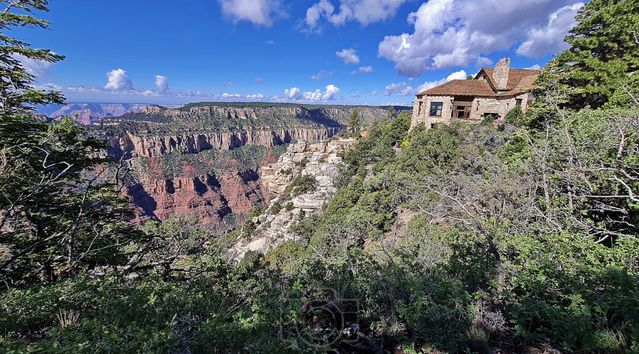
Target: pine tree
(354, 124)
(58, 215)
(17, 95)
(604, 52)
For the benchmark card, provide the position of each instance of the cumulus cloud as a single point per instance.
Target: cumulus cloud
(231, 95)
(400, 88)
(258, 12)
(449, 33)
(363, 11)
(364, 70)
(329, 93)
(313, 95)
(292, 93)
(37, 68)
(117, 80)
(349, 56)
(549, 38)
(457, 75)
(162, 83)
(315, 13)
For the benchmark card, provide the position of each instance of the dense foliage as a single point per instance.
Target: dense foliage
(58, 217)
(519, 235)
(604, 54)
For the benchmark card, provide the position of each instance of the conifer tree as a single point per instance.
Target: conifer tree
(354, 124)
(604, 52)
(57, 213)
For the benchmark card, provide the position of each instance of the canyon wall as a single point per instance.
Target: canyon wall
(207, 159)
(319, 162)
(132, 145)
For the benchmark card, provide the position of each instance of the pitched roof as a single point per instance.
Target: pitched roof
(460, 88)
(515, 76)
(519, 80)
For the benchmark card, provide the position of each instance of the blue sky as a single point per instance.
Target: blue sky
(332, 51)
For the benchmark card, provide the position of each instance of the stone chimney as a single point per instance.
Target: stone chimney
(500, 75)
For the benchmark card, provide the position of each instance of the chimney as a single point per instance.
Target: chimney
(502, 69)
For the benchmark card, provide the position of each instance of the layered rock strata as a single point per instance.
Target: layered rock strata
(323, 163)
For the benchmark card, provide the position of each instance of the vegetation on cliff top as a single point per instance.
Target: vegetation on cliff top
(223, 117)
(460, 238)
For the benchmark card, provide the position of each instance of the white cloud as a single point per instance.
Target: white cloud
(549, 38)
(314, 13)
(295, 93)
(321, 75)
(256, 96)
(231, 95)
(331, 91)
(292, 93)
(534, 67)
(364, 70)
(363, 11)
(349, 56)
(117, 80)
(449, 33)
(458, 75)
(48, 87)
(400, 88)
(258, 12)
(37, 68)
(313, 96)
(162, 83)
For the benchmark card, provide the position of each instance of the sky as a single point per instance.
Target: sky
(374, 52)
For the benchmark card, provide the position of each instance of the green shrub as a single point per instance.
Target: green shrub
(515, 116)
(275, 208)
(301, 185)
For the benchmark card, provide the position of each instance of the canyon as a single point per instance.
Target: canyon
(215, 161)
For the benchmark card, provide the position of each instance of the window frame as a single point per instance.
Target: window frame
(437, 111)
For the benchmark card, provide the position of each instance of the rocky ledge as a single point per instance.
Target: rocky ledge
(318, 162)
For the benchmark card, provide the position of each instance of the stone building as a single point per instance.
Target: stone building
(492, 92)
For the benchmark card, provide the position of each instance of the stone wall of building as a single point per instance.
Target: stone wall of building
(499, 106)
(480, 106)
(422, 115)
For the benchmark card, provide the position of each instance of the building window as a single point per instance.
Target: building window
(518, 102)
(419, 108)
(463, 112)
(436, 109)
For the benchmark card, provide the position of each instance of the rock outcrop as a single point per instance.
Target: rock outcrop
(210, 198)
(322, 162)
(132, 145)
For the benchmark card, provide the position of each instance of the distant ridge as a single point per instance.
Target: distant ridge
(89, 113)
